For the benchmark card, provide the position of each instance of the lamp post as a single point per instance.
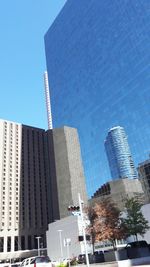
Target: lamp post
(38, 240)
(68, 243)
(60, 241)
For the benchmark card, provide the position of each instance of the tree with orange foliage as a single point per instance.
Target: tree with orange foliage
(91, 225)
(107, 223)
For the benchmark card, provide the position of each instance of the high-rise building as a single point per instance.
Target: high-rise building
(66, 171)
(23, 183)
(144, 176)
(119, 155)
(41, 174)
(97, 55)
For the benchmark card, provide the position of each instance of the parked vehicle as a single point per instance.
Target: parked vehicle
(38, 261)
(137, 249)
(81, 259)
(16, 264)
(137, 244)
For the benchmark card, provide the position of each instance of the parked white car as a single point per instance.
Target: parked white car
(38, 261)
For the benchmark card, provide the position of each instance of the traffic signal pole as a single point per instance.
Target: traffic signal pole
(83, 229)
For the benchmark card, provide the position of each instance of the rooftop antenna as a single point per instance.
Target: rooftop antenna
(48, 102)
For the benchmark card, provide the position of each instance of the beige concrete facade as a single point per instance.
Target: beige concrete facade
(23, 183)
(69, 169)
(144, 176)
(119, 190)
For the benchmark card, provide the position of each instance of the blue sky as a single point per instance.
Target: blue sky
(22, 59)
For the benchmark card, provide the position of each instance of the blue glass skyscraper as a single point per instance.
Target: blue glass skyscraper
(118, 153)
(98, 63)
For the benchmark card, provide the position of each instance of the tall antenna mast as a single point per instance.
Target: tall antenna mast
(48, 102)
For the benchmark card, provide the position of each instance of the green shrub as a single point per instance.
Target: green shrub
(62, 264)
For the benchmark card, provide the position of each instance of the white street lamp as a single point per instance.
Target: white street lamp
(38, 240)
(60, 241)
(68, 243)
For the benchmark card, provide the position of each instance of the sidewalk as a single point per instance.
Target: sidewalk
(105, 264)
(102, 264)
(109, 264)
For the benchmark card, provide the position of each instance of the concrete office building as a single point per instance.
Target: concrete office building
(97, 55)
(40, 175)
(66, 171)
(119, 155)
(144, 176)
(60, 231)
(119, 190)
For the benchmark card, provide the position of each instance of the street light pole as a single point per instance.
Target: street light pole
(68, 243)
(38, 240)
(83, 229)
(60, 241)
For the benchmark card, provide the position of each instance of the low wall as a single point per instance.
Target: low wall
(132, 253)
(109, 256)
(128, 257)
(134, 262)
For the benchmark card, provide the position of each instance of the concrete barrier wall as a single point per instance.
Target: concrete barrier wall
(133, 253)
(133, 262)
(121, 254)
(128, 256)
(109, 256)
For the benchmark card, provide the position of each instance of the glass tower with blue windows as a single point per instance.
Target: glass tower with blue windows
(118, 153)
(98, 63)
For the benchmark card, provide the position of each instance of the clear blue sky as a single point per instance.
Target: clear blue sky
(22, 59)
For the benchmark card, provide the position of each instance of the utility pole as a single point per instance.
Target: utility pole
(83, 230)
